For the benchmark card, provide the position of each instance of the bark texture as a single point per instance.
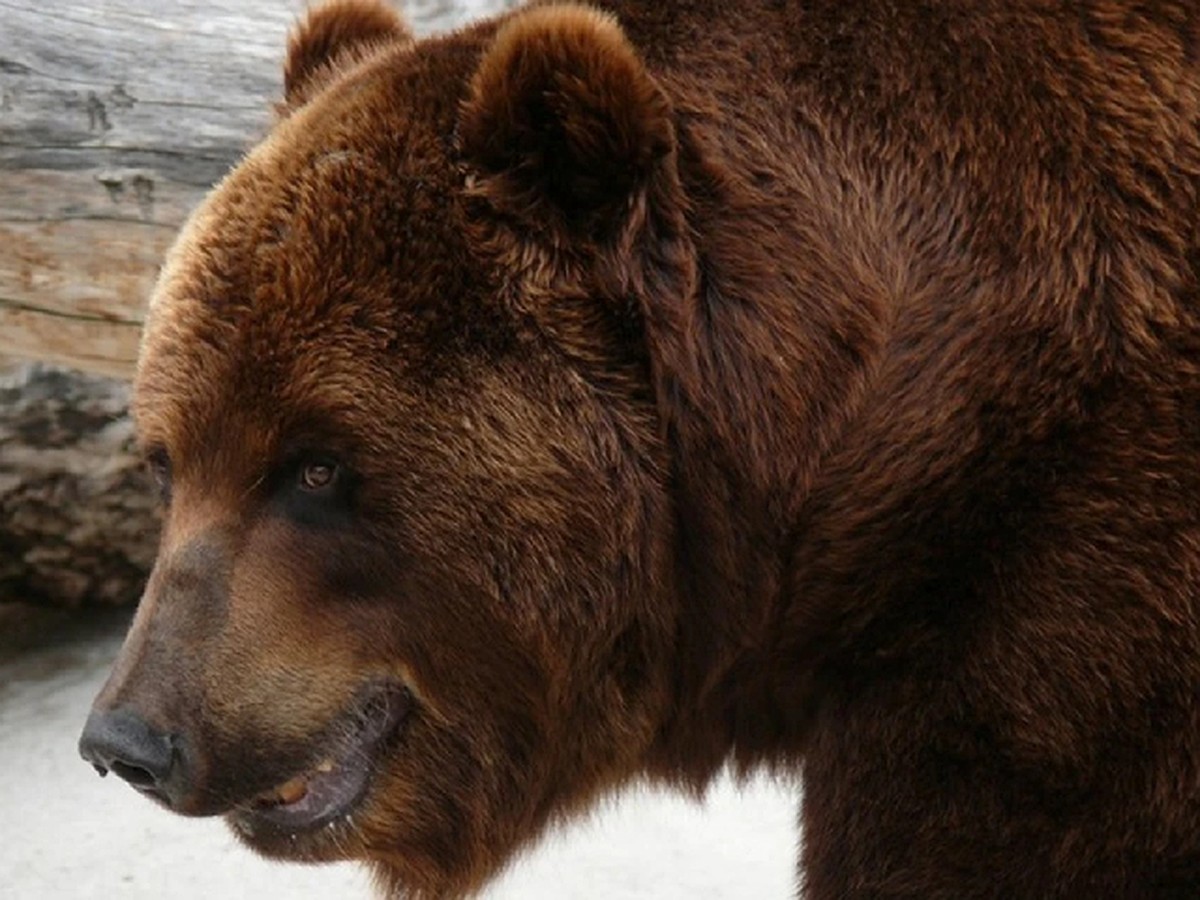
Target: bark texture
(113, 124)
(77, 516)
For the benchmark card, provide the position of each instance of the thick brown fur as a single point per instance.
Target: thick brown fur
(332, 38)
(811, 385)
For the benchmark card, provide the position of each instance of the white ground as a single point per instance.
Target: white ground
(65, 833)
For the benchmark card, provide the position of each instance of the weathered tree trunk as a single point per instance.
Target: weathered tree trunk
(77, 518)
(115, 119)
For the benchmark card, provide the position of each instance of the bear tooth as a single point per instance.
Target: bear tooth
(325, 765)
(294, 790)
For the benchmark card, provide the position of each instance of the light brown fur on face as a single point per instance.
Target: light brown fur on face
(594, 394)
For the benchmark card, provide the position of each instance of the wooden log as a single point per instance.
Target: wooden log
(77, 516)
(115, 119)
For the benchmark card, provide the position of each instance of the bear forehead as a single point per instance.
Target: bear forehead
(352, 186)
(333, 254)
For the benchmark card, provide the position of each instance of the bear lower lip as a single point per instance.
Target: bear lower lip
(335, 786)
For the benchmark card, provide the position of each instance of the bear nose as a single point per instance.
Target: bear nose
(121, 741)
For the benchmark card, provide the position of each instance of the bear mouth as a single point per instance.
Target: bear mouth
(335, 786)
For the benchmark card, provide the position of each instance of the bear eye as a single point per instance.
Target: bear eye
(158, 464)
(315, 491)
(318, 475)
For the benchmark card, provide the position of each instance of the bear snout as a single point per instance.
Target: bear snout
(144, 726)
(122, 742)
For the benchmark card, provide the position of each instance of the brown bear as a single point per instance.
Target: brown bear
(607, 393)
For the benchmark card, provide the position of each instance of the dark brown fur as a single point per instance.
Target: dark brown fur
(811, 385)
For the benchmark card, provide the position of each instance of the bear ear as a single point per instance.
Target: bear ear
(335, 33)
(563, 121)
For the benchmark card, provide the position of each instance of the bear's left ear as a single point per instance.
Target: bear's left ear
(332, 34)
(563, 122)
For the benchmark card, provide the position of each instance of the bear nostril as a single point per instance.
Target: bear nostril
(122, 742)
(135, 775)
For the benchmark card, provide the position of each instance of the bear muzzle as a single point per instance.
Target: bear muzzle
(122, 742)
(334, 787)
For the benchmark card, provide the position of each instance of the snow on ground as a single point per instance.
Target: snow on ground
(65, 833)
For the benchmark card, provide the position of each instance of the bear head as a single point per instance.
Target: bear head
(413, 596)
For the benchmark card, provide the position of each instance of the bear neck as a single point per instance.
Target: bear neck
(758, 373)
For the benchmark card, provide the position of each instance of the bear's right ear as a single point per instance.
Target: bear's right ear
(333, 34)
(564, 123)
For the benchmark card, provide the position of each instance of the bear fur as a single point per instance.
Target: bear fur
(616, 392)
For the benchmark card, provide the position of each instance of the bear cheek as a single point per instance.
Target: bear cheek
(292, 655)
(283, 664)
